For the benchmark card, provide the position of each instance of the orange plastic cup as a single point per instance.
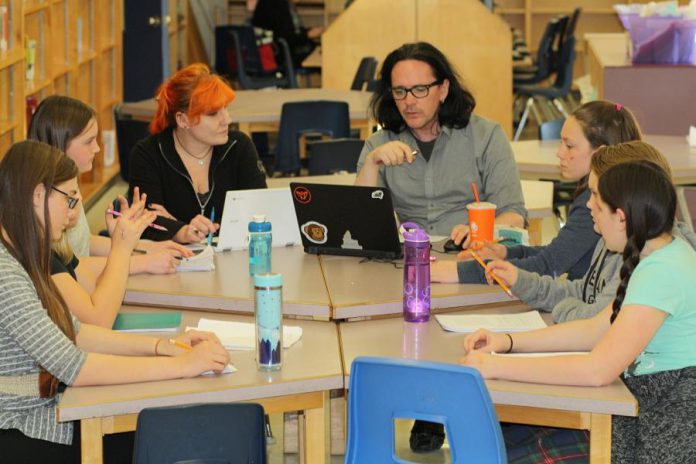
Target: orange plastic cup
(481, 221)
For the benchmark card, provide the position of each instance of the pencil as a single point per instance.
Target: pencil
(179, 344)
(154, 226)
(495, 277)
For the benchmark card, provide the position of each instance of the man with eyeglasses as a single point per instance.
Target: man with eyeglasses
(432, 148)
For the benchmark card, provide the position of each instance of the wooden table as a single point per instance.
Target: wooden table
(537, 159)
(538, 196)
(259, 110)
(229, 287)
(299, 385)
(661, 96)
(588, 408)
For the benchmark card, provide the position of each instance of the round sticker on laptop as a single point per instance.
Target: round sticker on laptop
(302, 195)
(315, 232)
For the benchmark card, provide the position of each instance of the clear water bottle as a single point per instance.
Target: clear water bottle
(416, 273)
(268, 306)
(260, 245)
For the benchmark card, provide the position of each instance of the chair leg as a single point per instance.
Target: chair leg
(559, 106)
(523, 119)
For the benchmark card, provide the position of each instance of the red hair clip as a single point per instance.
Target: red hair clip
(618, 107)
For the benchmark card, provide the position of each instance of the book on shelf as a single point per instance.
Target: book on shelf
(159, 321)
(31, 59)
(4, 28)
(516, 322)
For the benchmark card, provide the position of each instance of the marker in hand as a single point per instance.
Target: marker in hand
(154, 226)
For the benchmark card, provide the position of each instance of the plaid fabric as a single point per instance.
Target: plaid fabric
(545, 445)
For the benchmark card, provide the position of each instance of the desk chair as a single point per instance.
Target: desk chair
(554, 93)
(325, 117)
(237, 55)
(383, 389)
(332, 156)
(216, 433)
(129, 131)
(545, 63)
(365, 73)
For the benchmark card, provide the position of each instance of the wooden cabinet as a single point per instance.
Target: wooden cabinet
(74, 48)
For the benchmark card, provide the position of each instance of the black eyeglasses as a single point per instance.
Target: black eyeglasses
(418, 91)
(72, 201)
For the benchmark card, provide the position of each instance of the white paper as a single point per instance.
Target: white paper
(241, 335)
(203, 261)
(692, 136)
(227, 370)
(519, 322)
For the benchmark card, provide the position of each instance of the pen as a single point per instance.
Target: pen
(212, 219)
(495, 277)
(179, 344)
(154, 226)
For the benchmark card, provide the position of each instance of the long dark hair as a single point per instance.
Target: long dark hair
(645, 194)
(605, 123)
(59, 119)
(454, 112)
(26, 165)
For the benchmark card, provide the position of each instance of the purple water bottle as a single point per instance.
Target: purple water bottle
(416, 273)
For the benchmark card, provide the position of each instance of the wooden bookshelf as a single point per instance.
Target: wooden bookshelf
(78, 53)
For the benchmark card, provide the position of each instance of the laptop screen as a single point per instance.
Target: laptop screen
(346, 220)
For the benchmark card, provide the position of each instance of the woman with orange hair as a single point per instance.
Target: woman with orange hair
(192, 157)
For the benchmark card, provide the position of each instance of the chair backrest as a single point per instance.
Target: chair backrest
(572, 23)
(202, 433)
(551, 130)
(686, 206)
(365, 73)
(129, 131)
(545, 50)
(238, 55)
(331, 156)
(383, 389)
(558, 40)
(320, 116)
(564, 75)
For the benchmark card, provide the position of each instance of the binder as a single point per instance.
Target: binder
(148, 322)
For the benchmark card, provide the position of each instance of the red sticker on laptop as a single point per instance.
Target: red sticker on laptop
(302, 194)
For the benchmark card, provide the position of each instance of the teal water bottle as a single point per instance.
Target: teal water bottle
(268, 307)
(260, 241)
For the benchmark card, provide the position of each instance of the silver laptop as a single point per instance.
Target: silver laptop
(242, 205)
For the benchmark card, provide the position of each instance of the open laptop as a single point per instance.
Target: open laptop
(346, 220)
(242, 205)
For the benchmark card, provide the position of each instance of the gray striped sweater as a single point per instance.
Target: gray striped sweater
(29, 339)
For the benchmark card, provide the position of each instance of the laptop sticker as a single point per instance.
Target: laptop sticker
(302, 195)
(348, 242)
(378, 194)
(315, 232)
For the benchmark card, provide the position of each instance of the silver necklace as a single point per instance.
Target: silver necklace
(200, 159)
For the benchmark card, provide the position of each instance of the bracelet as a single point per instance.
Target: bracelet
(156, 345)
(509, 349)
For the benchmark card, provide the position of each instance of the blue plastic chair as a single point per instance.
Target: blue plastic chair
(215, 433)
(383, 389)
(330, 118)
(129, 131)
(332, 156)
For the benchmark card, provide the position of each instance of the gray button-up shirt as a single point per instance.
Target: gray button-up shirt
(434, 193)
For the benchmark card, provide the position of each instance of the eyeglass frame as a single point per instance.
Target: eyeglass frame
(72, 201)
(408, 90)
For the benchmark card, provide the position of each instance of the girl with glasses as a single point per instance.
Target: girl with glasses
(40, 345)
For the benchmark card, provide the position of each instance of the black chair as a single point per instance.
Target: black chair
(308, 117)
(129, 131)
(546, 62)
(237, 56)
(551, 130)
(554, 93)
(221, 433)
(365, 73)
(332, 156)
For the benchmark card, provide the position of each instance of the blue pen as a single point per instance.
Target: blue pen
(212, 219)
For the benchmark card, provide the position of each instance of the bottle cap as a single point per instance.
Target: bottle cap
(259, 224)
(412, 232)
(268, 280)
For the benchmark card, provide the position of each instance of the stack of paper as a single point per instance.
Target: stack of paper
(227, 370)
(203, 261)
(241, 335)
(494, 322)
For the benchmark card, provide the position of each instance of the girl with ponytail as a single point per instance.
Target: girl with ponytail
(646, 336)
